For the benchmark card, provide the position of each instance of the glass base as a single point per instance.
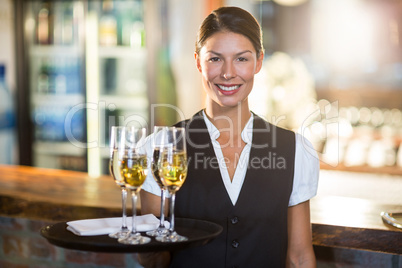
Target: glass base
(160, 231)
(134, 239)
(120, 234)
(172, 237)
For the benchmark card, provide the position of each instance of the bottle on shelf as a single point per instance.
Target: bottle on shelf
(51, 71)
(111, 119)
(58, 24)
(59, 76)
(43, 79)
(137, 35)
(110, 75)
(7, 122)
(63, 30)
(44, 28)
(124, 24)
(60, 81)
(131, 26)
(68, 30)
(108, 25)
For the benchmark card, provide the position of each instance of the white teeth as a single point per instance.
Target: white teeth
(228, 88)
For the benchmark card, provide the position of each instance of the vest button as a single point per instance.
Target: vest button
(235, 244)
(234, 220)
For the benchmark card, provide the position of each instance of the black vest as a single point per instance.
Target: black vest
(255, 229)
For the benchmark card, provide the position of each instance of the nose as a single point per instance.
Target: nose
(228, 71)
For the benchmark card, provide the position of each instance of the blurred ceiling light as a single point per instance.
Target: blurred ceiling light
(290, 2)
(343, 33)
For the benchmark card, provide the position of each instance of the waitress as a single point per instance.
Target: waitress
(249, 176)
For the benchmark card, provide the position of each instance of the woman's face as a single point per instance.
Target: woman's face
(228, 63)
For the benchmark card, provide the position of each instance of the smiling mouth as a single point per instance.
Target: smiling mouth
(228, 88)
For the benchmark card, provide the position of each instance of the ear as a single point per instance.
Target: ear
(197, 61)
(259, 63)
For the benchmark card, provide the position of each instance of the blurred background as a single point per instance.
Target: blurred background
(71, 69)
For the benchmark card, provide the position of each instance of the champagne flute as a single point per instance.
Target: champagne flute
(156, 146)
(114, 168)
(172, 166)
(133, 168)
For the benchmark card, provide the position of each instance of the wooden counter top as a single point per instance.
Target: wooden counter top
(354, 223)
(339, 219)
(56, 195)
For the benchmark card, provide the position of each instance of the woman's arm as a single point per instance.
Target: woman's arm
(300, 247)
(151, 203)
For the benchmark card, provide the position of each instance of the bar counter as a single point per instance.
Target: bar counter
(56, 195)
(340, 217)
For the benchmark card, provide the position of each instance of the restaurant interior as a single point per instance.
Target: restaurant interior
(71, 70)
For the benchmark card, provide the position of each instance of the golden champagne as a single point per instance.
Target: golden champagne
(115, 168)
(155, 170)
(134, 171)
(173, 170)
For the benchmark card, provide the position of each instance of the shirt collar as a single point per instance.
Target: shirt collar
(246, 134)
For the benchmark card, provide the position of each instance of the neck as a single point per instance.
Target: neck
(234, 118)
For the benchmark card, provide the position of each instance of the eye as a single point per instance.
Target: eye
(241, 59)
(214, 59)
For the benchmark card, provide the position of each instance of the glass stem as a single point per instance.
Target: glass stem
(162, 217)
(134, 201)
(172, 201)
(124, 201)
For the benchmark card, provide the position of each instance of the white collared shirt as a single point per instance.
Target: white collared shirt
(232, 187)
(306, 170)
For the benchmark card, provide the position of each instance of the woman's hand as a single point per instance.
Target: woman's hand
(151, 204)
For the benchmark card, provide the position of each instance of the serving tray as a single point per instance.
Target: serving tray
(198, 232)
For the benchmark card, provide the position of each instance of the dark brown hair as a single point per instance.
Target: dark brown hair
(231, 19)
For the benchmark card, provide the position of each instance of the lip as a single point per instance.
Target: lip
(228, 93)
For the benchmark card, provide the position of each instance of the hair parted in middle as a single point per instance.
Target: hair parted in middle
(231, 19)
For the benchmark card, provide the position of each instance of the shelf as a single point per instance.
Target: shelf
(122, 52)
(58, 148)
(81, 82)
(55, 50)
(392, 170)
(136, 103)
(57, 99)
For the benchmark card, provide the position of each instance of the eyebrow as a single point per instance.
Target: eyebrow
(237, 54)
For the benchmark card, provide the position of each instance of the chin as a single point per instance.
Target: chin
(229, 104)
